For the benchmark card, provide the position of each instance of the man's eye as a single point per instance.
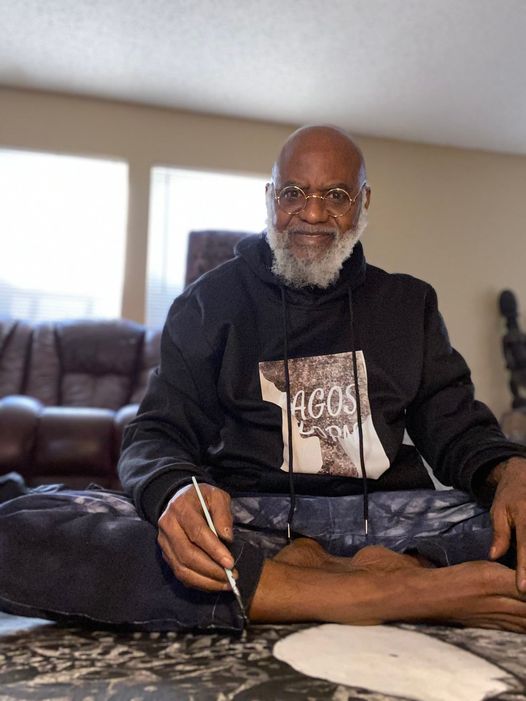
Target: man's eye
(336, 196)
(290, 195)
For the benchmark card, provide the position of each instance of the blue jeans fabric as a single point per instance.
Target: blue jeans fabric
(444, 526)
(86, 556)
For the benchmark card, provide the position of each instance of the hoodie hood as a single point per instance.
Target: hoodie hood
(257, 254)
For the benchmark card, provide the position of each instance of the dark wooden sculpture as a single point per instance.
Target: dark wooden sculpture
(514, 348)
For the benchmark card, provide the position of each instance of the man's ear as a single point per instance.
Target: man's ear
(367, 197)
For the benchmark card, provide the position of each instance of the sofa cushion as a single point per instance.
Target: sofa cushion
(99, 362)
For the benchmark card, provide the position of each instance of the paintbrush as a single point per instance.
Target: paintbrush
(228, 571)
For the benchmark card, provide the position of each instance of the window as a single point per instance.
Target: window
(63, 226)
(182, 201)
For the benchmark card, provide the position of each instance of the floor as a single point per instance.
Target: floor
(41, 661)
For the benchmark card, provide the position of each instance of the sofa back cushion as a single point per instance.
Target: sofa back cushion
(99, 361)
(85, 363)
(103, 364)
(43, 370)
(15, 343)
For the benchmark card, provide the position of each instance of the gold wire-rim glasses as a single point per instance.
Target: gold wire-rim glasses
(296, 188)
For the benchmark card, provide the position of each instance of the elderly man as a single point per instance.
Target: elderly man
(297, 368)
(288, 379)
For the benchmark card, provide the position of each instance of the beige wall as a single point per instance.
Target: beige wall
(456, 219)
(453, 217)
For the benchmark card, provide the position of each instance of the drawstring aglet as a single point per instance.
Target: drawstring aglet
(366, 526)
(289, 536)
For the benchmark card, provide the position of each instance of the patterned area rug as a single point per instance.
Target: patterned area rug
(74, 664)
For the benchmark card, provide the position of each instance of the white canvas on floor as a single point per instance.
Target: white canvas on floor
(393, 662)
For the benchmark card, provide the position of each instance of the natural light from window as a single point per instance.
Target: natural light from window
(182, 201)
(63, 227)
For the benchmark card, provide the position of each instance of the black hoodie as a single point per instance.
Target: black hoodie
(216, 406)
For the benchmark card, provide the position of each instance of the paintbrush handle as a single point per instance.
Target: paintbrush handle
(228, 571)
(204, 507)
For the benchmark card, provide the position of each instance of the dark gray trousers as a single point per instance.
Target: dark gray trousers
(86, 556)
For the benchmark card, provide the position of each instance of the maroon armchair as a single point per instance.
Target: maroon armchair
(208, 249)
(67, 389)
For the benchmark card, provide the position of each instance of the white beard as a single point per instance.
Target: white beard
(317, 271)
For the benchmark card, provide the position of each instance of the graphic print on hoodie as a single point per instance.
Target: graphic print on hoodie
(324, 415)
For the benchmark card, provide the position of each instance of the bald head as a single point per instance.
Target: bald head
(317, 205)
(331, 144)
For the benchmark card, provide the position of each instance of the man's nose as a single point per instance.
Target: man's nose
(314, 210)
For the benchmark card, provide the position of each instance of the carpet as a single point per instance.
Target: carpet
(41, 661)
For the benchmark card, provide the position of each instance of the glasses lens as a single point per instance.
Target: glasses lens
(337, 202)
(291, 199)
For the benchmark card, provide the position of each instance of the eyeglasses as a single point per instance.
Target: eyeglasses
(337, 201)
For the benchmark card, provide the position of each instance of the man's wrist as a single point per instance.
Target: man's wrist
(495, 474)
(485, 481)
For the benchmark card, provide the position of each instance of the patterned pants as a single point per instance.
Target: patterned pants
(86, 556)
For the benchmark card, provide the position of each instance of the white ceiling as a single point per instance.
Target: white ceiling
(437, 71)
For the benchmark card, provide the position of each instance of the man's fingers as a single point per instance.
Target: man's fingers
(221, 513)
(192, 558)
(501, 533)
(197, 581)
(189, 558)
(218, 504)
(194, 552)
(198, 532)
(520, 535)
(193, 579)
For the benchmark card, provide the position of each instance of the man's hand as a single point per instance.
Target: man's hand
(195, 555)
(508, 513)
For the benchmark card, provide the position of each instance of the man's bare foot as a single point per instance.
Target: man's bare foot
(475, 594)
(478, 594)
(306, 552)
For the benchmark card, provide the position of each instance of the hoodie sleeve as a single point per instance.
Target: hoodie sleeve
(458, 436)
(177, 420)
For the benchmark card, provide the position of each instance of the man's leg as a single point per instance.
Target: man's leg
(87, 556)
(374, 584)
(304, 583)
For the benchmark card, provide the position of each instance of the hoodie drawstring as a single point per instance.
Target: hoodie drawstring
(359, 417)
(292, 492)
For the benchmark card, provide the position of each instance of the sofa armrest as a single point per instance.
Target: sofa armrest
(122, 419)
(19, 418)
(74, 441)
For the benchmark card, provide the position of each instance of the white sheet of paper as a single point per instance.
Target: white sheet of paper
(391, 661)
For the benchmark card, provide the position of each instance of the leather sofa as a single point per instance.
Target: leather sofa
(67, 390)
